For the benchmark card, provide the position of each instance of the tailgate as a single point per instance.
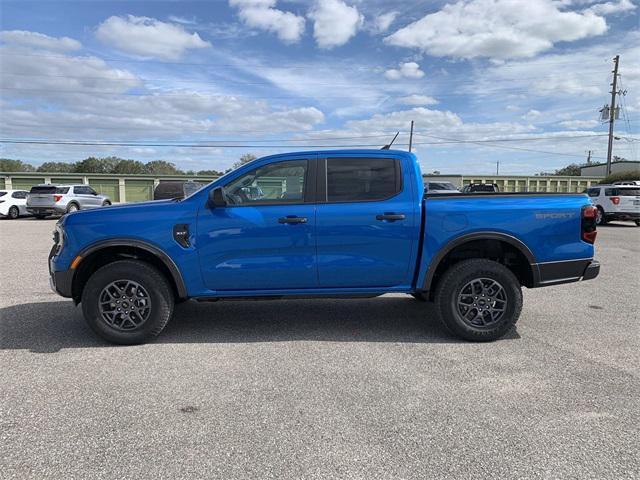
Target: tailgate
(42, 196)
(629, 199)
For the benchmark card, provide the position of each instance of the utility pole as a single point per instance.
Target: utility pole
(411, 136)
(612, 115)
(498, 167)
(589, 157)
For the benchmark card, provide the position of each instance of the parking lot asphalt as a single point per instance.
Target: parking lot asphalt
(321, 388)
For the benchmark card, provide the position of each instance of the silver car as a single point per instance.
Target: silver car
(44, 200)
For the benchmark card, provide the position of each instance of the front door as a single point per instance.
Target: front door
(367, 223)
(264, 239)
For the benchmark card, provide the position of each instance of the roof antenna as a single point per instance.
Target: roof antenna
(387, 147)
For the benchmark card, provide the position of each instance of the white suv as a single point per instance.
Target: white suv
(616, 202)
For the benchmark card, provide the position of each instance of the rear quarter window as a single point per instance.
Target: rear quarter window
(629, 192)
(62, 190)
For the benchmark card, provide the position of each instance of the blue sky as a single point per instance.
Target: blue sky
(514, 81)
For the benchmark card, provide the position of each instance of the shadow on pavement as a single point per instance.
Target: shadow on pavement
(51, 326)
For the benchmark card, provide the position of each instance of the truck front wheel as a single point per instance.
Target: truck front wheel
(127, 302)
(479, 300)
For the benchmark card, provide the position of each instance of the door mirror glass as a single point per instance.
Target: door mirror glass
(216, 197)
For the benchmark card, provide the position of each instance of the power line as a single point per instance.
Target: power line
(165, 93)
(245, 64)
(220, 145)
(444, 82)
(445, 140)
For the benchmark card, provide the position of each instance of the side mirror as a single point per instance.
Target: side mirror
(216, 197)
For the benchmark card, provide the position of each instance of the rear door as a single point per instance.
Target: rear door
(19, 198)
(367, 222)
(86, 195)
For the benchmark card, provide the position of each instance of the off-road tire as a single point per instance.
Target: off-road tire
(451, 285)
(601, 215)
(147, 276)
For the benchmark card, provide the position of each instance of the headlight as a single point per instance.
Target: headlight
(58, 238)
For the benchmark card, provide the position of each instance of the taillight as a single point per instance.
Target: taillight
(57, 198)
(615, 200)
(588, 223)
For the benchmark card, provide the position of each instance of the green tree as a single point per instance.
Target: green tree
(93, 165)
(129, 166)
(246, 158)
(572, 170)
(162, 167)
(57, 167)
(209, 173)
(9, 165)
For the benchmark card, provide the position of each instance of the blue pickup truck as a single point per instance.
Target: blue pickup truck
(347, 223)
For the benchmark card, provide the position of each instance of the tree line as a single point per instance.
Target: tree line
(114, 165)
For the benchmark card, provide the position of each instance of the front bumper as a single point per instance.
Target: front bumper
(555, 273)
(61, 282)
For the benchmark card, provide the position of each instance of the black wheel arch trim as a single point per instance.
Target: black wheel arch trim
(485, 235)
(127, 242)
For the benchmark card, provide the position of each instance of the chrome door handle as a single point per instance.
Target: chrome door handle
(391, 217)
(292, 219)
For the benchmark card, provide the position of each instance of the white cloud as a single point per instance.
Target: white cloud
(183, 20)
(334, 22)
(39, 40)
(498, 29)
(532, 115)
(405, 70)
(609, 8)
(383, 21)
(579, 124)
(148, 37)
(49, 77)
(418, 100)
(262, 15)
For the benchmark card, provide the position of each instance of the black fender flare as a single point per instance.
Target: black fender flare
(152, 249)
(487, 235)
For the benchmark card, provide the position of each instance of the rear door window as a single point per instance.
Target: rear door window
(362, 179)
(593, 192)
(20, 195)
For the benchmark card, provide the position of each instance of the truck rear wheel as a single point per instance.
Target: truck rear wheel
(127, 302)
(479, 300)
